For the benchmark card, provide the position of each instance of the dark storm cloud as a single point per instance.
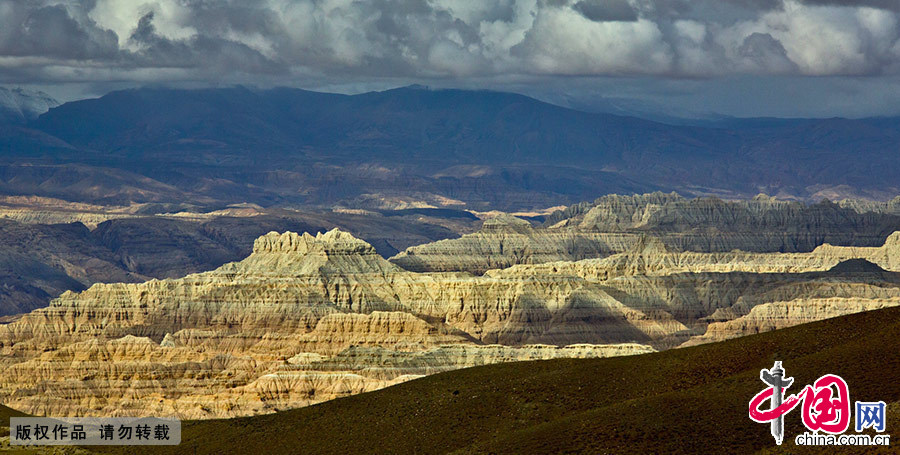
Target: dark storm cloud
(606, 10)
(246, 17)
(893, 5)
(766, 53)
(52, 32)
(200, 51)
(713, 11)
(295, 39)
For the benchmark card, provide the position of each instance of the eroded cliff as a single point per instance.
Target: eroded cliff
(253, 336)
(614, 224)
(308, 318)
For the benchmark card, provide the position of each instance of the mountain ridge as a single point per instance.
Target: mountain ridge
(292, 146)
(19, 106)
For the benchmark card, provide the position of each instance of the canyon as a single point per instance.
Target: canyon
(307, 318)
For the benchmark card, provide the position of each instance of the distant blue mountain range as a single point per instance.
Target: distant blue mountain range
(484, 148)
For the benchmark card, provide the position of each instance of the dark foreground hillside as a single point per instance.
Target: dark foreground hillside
(5, 414)
(681, 401)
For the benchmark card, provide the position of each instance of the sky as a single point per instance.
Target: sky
(688, 58)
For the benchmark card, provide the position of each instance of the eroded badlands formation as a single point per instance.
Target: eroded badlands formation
(614, 223)
(305, 319)
(48, 246)
(506, 240)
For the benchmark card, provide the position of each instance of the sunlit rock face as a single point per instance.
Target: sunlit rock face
(288, 326)
(310, 318)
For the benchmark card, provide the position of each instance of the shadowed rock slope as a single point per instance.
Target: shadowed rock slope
(40, 258)
(690, 400)
(614, 223)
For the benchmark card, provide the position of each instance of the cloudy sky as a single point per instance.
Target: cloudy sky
(675, 57)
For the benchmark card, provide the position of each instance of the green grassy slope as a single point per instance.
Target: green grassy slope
(680, 401)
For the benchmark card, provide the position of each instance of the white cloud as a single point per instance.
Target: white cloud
(172, 18)
(459, 38)
(562, 41)
(824, 40)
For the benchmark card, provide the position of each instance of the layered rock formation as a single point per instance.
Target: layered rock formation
(614, 223)
(255, 334)
(309, 318)
(38, 260)
(765, 224)
(40, 210)
(848, 222)
(740, 293)
(863, 206)
(135, 242)
(504, 241)
(779, 315)
(649, 256)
